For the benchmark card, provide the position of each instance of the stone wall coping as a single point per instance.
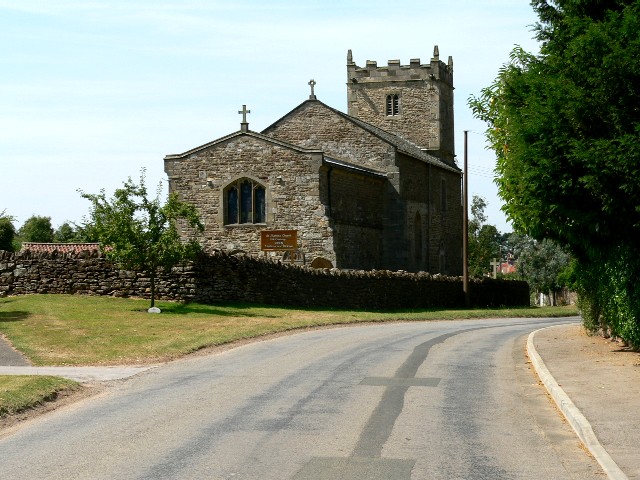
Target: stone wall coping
(249, 133)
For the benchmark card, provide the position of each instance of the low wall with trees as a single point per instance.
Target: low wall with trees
(220, 278)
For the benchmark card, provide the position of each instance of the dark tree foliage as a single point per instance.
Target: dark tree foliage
(65, 233)
(7, 232)
(36, 229)
(565, 126)
(140, 233)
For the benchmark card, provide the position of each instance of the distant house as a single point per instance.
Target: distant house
(507, 267)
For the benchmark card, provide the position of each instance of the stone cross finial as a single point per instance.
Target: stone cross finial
(244, 126)
(312, 83)
(495, 265)
(244, 112)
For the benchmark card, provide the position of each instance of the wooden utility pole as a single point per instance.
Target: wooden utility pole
(465, 227)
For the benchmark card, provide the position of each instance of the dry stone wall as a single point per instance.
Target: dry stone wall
(220, 278)
(84, 273)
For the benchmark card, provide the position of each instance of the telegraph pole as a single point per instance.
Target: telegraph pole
(465, 227)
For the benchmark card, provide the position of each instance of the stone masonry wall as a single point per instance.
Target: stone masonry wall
(314, 125)
(433, 194)
(223, 278)
(356, 210)
(291, 180)
(426, 100)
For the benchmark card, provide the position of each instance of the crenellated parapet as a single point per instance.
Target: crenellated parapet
(414, 101)
(434, 71)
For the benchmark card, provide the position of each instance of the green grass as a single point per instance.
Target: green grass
(21, 392)
(85, 330)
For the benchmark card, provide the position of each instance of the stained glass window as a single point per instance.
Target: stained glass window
(232, 205)
(245, 202)
(259, 201)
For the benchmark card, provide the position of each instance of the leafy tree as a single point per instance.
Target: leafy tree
(483, 239)
(7, 232)
(65, 233)
(85, 232)
(139, 233)
(564, 125)
(36, 229)
(542, 265)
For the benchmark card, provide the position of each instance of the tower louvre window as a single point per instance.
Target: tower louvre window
(393, 105)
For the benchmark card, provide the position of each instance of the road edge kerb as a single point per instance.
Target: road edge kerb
(576, 419)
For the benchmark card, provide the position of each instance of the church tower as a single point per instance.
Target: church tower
(413, 101)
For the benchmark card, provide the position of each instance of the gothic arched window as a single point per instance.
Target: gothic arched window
(244, 202)
(393, 105)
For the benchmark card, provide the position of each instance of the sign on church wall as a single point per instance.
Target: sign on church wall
(278, 240)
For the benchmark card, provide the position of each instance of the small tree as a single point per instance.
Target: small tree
(65, 233)
(36, 229)
(141, 234)
(7, 232)
(483, 239)
(543, 265)
(86, 232)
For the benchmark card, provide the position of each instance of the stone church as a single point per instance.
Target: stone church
(377, 188)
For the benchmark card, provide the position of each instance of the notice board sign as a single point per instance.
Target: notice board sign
(278, 240)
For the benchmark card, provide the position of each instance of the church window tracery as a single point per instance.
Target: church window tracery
(245, 202)
(393, 105)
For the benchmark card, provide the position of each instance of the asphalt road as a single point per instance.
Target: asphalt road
(438, 400)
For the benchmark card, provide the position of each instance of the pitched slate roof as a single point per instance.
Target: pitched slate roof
(403, 145)
(353, 167)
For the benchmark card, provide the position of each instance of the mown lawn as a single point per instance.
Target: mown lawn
(86, 330)
(21, 392)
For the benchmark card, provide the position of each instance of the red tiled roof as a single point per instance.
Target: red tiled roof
(506, 268)
(60, 247)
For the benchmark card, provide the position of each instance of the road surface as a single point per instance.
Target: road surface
(421, 400)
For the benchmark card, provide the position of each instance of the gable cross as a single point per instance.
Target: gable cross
(312, 83)
(244, 112)
(244, 126)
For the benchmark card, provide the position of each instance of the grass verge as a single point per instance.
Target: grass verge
(85, 330)
(22, 392)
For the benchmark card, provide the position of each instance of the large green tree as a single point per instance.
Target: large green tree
(564, 125)
(36, 229)
(7, 232)
(141, 233)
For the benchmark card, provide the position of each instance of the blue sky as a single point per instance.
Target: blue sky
(93, 91)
